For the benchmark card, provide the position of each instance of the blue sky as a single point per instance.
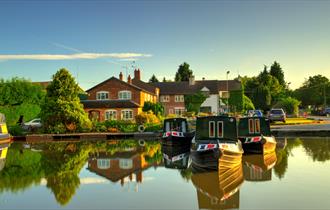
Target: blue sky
(212, 36)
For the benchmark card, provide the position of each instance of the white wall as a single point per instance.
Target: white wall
(213, 102)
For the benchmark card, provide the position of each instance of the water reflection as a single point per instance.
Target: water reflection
(58, 167)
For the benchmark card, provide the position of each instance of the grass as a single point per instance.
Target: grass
(297, 121)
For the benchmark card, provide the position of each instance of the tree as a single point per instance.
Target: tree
(277, 72)
(289, 104)
(156, 108)
(193, 102)
(262, 98)
(62, 111)
(153, 79)
(247, 103)
(184, 72)
(235, 100)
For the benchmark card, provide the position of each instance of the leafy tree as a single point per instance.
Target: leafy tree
(312, 91)
(247, 103)
(153, 79)
(289, 104)
(262, 97)
(184, 72)
(277, 72)
(156, 108)
(193, 102)
(62, 111)
(236, 100)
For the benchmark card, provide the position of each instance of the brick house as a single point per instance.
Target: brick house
(116, 99)
(171, 94)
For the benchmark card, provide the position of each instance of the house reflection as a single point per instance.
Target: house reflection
(218, 189)
(258, 167)
(120, 166)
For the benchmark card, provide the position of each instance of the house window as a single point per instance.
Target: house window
(211, 129)
(179, 98)
(125, 163)
(103, 163)
(179, 111)
(124, 95)
(165, 98)
(102, 95)
(170, 111)
(111, 115)
(127, 114)
(224, 94)
(251, 126)
(220, 129)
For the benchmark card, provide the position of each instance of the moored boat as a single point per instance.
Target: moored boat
(4, 135)
(176, 133)
(216, 145)
(255, 135)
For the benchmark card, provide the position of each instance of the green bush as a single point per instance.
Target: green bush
(146, 117)
(156, 108)
(153, 127)
(12, 113)
(121, 125)
(16, 130)
(289, 104)
(247, 104)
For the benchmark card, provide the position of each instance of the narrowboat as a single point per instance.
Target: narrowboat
(255, 135)
(216, 145)
(4, 135)
(258, 167)
(218, 189)
(176, 133)
(176, 157)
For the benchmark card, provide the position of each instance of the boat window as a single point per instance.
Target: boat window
(251, 126)
(167, 126)
(257, 125)
(184, 126)
(220, 129)
(211, 129)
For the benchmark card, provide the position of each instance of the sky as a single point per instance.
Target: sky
(98, 39)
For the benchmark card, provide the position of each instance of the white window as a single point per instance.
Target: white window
(127, 114)
(125, 163)
(179, 111)
(102, 95)
(124, 95)
(179, 98)
(111, 114)
(103, 163)
(165, 98)
(224, 94)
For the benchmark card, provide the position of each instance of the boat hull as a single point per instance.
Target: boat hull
(5, 138)
(263, 146)
(177, 140)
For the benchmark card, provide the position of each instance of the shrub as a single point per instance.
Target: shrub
(16, 130)
(289, 104)
(153, 127)
(146, 117)
(156, 108)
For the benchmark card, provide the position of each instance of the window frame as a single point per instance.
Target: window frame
(123, 92)
(102, 92)
(212, 122)
(110, 110)
(126, 110)
(222, 131)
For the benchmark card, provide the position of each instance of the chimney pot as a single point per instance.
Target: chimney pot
(137, 74)
(121, 76)
(129, 79)
(192, 80)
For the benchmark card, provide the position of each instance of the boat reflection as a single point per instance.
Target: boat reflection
(257, 167)
(3, 154)
(176, 157)
(218, 189)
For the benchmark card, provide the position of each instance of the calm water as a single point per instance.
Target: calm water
(138, 175)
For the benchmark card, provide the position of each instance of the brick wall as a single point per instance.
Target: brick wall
(102, 111)
(171, 105)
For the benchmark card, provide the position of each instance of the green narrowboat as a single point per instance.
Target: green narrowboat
(4, 135)
(255, 135)
(216, 145)
(176, 133)
(176, 157)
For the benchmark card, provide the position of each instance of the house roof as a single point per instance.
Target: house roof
(145, 86)
(109, 104)
(134, 85)
(214, 86)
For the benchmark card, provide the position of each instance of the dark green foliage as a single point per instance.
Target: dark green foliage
(235, 101)
(319, 150)
(289, 104)
(277, 72)
(315, 91)
(193, 102)
(247, 104)
(119, 125)
(153, 79)
(62, 111)
(184, 72)
(262, 98)
(12, 113)
(156, 108)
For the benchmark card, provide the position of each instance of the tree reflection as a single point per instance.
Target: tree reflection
(282, 157)
(318, 149)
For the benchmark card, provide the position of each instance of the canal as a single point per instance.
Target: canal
(143, 175)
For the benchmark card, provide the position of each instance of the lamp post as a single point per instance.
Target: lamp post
(227, 92)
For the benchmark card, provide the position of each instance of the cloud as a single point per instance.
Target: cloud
(74, 56)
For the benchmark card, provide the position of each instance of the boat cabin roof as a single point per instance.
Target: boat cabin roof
(254, 126)
(177, 119)
(216, 128)
(175, 124)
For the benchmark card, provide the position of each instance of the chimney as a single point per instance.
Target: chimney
(192, 80)
(121, 76)
(129, 79)
(137, 74)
